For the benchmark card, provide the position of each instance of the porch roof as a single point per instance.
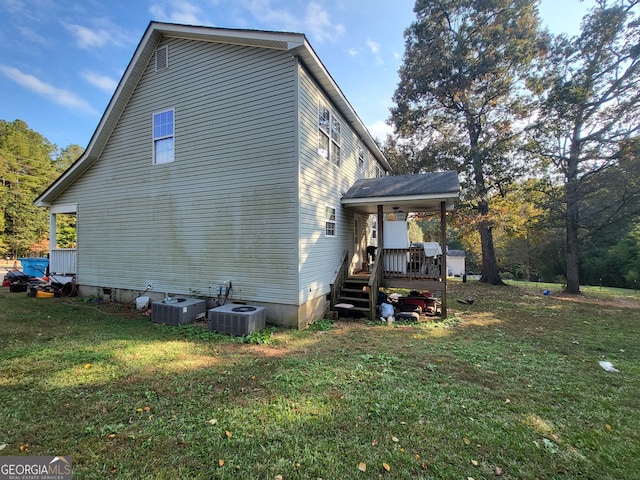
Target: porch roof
(410, 193)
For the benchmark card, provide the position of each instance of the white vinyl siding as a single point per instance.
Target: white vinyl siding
(207, 217)
(321, 186)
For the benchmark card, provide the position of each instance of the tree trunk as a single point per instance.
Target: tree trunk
(490, 273)
(573, 254)
(572, 216)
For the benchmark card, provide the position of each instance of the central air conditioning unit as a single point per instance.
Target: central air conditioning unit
(178, 311)
(236, 319)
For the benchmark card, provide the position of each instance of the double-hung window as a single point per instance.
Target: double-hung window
(361, 156)
(330, 222)
(163, 136)
(329, 136)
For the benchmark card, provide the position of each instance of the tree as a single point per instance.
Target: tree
(25, 168)
(589, 117)
(460, 95)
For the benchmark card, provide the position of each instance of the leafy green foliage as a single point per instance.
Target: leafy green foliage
(588, 123)
(510, 386)
(28, 164)
(459, 101)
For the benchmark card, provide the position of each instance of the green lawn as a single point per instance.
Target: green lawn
(509, 386)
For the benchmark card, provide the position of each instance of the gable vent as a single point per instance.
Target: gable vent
(162, 58)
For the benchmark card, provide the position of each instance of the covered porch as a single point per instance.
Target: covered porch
(416, 267)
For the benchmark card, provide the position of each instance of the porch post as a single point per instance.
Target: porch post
(443, 265)
(52, 232)
(380, 229)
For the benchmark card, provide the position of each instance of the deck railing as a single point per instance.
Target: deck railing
(411, 263)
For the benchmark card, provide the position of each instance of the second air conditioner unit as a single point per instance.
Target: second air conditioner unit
(236, 319)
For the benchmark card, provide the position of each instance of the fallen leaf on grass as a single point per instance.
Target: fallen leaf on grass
(498, 471)
(147, 408)
(228, 433)
(608, 427)
(362, 467)
(221, 463)
(213, 421)
(374, 442)
(395, 439)
(278, 477)
(474, 463)
(386, 467)
(138, 410)
(3, 446)
(466, 441)
(113, 469)
(87, 365)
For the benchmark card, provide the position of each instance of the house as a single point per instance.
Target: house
(221, 161)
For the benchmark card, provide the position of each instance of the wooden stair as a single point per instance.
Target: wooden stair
(355, 291)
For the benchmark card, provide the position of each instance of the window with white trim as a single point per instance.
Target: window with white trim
(361, 155)
(163, 136)
(330, 222)
(329, 137)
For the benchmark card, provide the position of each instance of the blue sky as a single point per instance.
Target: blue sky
(60, 60)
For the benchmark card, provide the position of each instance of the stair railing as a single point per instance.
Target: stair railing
(338, 279)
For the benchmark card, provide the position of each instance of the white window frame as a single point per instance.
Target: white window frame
(329, 135)
(362, 155)
(329, 221)
(163, 136)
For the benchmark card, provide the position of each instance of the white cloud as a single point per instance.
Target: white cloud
(354, 52)
(100, 33)
(380, 130)
(373, 46)
(319, 23)
(375, 49)
(103, 82)
(56, 95)
(315, 21)
(176, 11)
(86, 37)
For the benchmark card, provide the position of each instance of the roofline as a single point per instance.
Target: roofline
(295, 43)
(400, 201)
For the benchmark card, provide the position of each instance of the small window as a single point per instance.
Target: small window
(162, 58)
(330, 222)
(361, 156)
(379, 172)
(329, 135)
(163, 137)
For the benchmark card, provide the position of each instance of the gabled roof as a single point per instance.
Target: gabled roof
(295, 43)
(410, 193)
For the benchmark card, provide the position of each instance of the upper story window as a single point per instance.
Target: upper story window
(163, 137)
(330, 222)
(361, 156)
(329, 137)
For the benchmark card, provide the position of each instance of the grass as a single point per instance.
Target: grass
(509, 386)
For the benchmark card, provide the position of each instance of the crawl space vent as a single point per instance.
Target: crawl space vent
(162, 58)
(234, 319)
